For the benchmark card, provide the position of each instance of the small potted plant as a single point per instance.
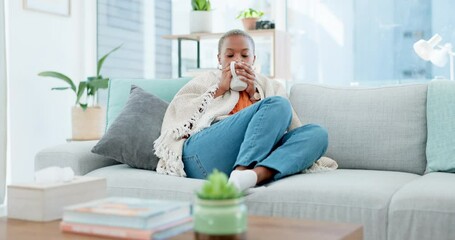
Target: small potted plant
(249, 18)
(219, 210)
(201, 16)
(87, 117)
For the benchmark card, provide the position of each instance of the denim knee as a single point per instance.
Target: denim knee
(320, 134)
(280, 105)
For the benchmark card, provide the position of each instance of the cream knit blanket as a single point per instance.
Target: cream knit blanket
(194, 108)
(324, 164)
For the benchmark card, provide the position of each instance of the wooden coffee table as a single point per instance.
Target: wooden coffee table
(263, 228)
(258, 228)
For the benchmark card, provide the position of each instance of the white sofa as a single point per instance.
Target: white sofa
(377, 136)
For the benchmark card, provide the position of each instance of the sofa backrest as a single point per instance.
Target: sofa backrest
(369, 128)
(119, 91)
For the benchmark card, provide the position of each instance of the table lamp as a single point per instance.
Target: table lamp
(430, 50)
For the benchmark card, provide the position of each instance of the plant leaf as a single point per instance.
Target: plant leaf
(60, 88)
(194, 5)
(91, 91)
(99, 83)
(95, 84)
(83, 106)
(250, 13)
(89, 79)
(80, 91)
(101, 61)
(217, 187)
(201, 5)
(59, 76)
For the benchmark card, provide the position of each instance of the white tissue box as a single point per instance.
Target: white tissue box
(45, 202)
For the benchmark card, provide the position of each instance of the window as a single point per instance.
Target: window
(365, 42)
(224, 15)
(138, 25)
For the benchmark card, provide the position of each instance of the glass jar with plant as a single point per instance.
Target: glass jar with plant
(201, 16)
(220, 209)
(249, 18)
(87, 117)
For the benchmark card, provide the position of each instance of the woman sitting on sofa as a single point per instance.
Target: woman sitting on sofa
(252, 135)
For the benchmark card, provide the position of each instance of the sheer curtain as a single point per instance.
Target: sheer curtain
(2, 106)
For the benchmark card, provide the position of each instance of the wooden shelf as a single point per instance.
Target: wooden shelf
(200, 36)
(279, 62)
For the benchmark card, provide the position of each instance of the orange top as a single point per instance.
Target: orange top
(244, 101)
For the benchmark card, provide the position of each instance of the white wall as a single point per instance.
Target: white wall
(36, 42)
(2, 107)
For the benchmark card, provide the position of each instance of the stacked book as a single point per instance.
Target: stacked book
(128, 218)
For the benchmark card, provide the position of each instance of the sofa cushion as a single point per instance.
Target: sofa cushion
(424, 209)
(130, 137)
(119, 91)
(125, 181)
(75, 154)
(369, 128)
(354, 196)
(441, 126)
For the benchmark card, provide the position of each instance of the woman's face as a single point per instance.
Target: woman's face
(236, 48)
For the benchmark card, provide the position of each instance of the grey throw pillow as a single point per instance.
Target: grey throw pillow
(130, 138)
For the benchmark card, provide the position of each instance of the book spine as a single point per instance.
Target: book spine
(137, 222)
(105, 231)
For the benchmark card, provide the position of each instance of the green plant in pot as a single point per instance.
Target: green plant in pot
(87, 116)
(249, 18)
(201, 5)
(220, 210)
(200, 16)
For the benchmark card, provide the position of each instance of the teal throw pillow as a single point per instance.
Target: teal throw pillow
(119, 91)
(441, 126)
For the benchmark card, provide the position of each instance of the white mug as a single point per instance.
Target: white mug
(236, 83)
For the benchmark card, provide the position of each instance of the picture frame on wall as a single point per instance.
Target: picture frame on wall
(57, 7)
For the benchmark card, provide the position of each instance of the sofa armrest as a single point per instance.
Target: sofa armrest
(76, 155)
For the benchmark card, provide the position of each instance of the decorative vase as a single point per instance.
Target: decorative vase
(200, 21)
(88, 124)
(249, 23)
(220, 219)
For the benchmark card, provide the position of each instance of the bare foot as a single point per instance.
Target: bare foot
(264, 174)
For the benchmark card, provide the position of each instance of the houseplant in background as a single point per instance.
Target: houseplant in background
(87, 117)
(200, 16)
(249, 18)
(219, 211)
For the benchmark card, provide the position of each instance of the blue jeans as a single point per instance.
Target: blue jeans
(255, 136)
